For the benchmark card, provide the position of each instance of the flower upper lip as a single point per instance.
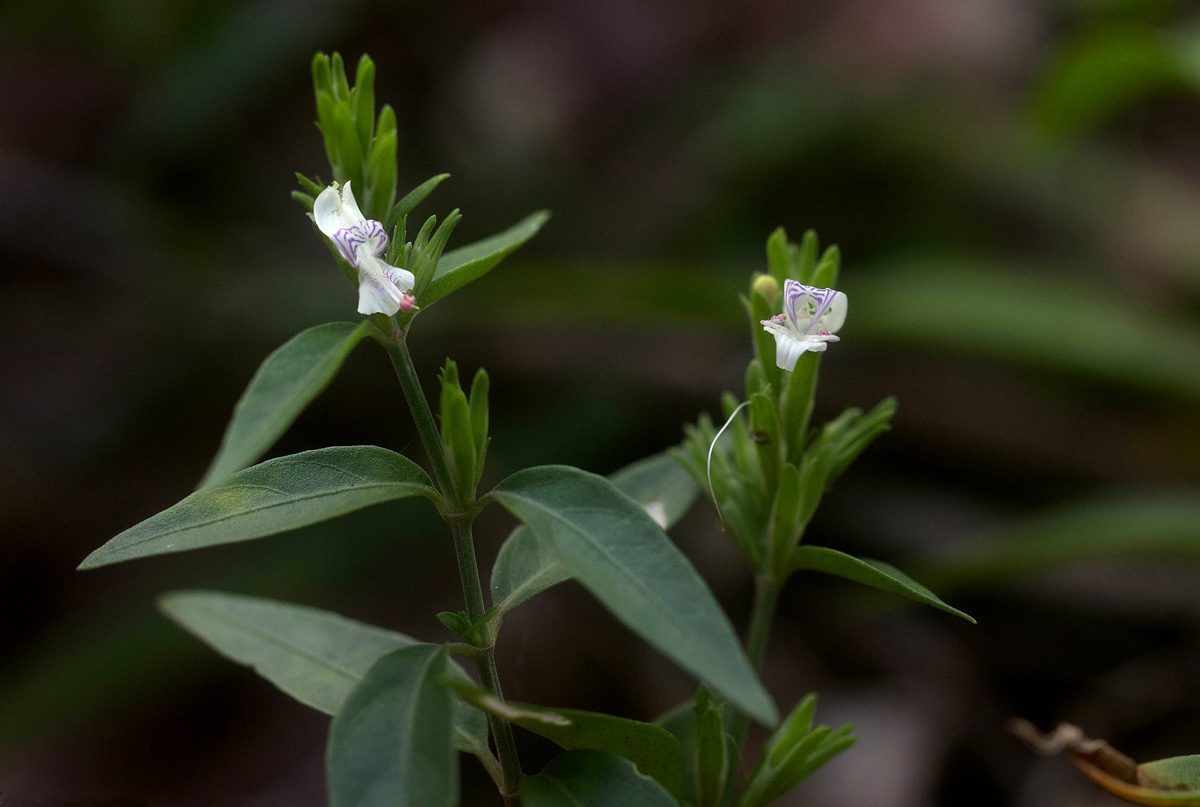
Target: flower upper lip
(810, 320)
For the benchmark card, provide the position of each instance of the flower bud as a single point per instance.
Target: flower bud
(407, 302)
(767, 286)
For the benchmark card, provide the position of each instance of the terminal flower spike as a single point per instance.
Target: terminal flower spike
(809, 321)
(381, 287)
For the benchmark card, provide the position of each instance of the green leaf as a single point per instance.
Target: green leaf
(286, 382)
(460, 266)
(429, 255)
(609, 543)
(315, 656)
(1171, 782)
(381, 176)
(872, 573)
(1173, 773)
(341, 87)
(659, 484)
(364, 100)
(778, 258)
(312, 186)
(653, 749)
(391, 744)
(764, 426)
(479, 418)
(321, 75)
(681, 722)
(806, 258)
(593, 779)
(793, 753)
(785, 523)
(275, 496)
(524, 569)
(411, 200)
(458, 433)
(764, 343)
(711, 761)
(349, 150)
(798, 404)
(826, 274)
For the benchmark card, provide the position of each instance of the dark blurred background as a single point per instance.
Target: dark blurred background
(1015, 187)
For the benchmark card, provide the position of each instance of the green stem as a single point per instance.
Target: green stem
(397, 349)
(468, 568)
(506, 747)
(766, 599)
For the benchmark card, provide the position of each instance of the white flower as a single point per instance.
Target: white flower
(809, 321)
(381, 287)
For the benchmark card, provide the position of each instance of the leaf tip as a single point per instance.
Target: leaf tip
(92, 561)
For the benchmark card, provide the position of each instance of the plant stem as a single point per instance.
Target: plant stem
(506, 748)
(766, 599)
(397, 350)
(468, 568)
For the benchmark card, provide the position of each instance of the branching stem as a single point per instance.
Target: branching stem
(468, 568)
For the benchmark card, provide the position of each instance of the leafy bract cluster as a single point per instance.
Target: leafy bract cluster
(403, 708)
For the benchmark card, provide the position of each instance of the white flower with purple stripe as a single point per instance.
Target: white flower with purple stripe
(809, 321)
(381, 287)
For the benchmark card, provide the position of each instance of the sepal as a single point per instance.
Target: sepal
(457, 433)
(477, 404)
(826, 274)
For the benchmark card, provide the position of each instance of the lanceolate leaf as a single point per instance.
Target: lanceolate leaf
(460, 266)
(681, 722)
(390, 745)
(1173, 774)
(616, 551)
(286, 382)
(660, 484)
(593, 779)
(275, 496)
(872, 573)
(315, 656)
(523, 568)
(653, 749)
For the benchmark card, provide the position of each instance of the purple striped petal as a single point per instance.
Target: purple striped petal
(368, 235)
